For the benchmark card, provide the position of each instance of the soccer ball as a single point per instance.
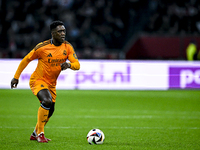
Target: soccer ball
(95, 136)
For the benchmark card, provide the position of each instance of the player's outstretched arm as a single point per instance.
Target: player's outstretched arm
(14, 83)
(25, 61)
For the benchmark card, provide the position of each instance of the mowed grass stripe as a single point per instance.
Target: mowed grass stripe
(150, 128)
(109, 117)
(169, 128)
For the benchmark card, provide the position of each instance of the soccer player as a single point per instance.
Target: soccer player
(52, 55)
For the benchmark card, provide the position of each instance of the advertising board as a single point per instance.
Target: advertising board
(113, 75)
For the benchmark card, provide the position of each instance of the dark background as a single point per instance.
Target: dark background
(103, 29)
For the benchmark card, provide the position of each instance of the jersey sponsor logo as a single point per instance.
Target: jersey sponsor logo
(56, 60)
(65, 52)
(42, 85)
(49, 55)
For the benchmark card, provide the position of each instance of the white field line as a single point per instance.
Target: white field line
(108, 117)
(148, 128)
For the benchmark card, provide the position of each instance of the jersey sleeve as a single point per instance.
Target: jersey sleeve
(75, 65)
(25, 61)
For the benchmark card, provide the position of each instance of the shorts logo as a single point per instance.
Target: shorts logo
(42, 85)
(65, 52)
(49, 55)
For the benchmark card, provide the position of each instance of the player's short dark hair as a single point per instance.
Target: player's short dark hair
(54, 24)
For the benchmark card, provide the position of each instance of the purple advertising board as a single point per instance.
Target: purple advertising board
(184, 77)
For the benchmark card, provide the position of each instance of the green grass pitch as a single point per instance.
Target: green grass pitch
(130, 120)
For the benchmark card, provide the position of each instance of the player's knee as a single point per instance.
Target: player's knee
(46, 103)
(45, 98)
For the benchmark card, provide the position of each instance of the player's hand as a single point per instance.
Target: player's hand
(65, 65)
(14, 83)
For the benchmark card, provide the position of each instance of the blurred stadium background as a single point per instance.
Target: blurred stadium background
(103, 29)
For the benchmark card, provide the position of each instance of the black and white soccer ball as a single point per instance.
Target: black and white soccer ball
(95, 136)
